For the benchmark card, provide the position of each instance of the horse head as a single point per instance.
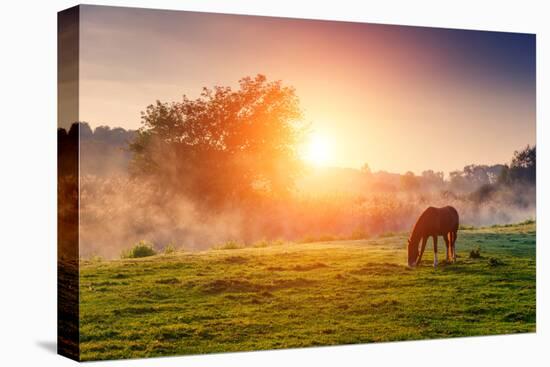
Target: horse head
(412, 250)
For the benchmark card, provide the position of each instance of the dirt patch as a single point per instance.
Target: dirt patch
(276, 268)
(381, 269)
(299, 267)
(120, 276)
(134, 311)
(167, 281)
(235, 260)
(308, 267)
(245, 286)
(529, 316)
(231, 286)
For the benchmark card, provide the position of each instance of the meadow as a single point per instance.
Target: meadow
(288, 295)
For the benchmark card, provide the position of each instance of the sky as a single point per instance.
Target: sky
(395, 97)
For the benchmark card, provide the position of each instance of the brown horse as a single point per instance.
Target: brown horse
(434, 222)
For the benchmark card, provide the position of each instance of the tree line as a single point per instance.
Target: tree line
(237, 144)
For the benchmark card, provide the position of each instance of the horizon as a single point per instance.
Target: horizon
(318, 168)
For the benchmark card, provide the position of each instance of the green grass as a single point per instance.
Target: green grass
(299, 295)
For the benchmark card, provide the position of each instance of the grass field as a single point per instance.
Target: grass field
(299, 295)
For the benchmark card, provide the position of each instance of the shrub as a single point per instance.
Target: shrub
(169, 249)
(141, 249)
(267, 243)
(307, 239)
(278, 242)
(230, 245)
(261, 243)
(475, 253)
(96, 259)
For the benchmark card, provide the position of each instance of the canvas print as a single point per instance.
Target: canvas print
(235, 183)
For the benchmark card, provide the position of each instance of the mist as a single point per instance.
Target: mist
(117, 212)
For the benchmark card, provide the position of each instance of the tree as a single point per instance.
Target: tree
(409, 181)
(474, 176)
(433, 179)
(365, 169)
(522, 169)
(457, 180)
(226, 144)
(523, 166)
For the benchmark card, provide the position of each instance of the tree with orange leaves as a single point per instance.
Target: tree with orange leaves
(225, 145)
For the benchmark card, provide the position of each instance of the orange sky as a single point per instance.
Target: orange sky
(397, 98)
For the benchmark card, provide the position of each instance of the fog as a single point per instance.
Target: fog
(117, 212)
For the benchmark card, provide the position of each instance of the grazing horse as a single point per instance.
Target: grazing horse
(433, 222)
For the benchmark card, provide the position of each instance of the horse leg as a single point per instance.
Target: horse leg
(448, 246)
(423, 246)
(435, 251)
(455, 233)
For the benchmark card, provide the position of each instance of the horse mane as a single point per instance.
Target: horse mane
(414, 232)
(415, 235)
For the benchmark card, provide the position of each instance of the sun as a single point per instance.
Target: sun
(318, 150)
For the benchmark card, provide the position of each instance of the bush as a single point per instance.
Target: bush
(268, 243)
(307, 239)
(475, 253)
(96, 259)
(278, 242)
(261, 244)
(169, 249)
(141, 249)
(230, 245)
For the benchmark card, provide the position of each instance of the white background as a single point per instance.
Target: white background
(28, 183)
